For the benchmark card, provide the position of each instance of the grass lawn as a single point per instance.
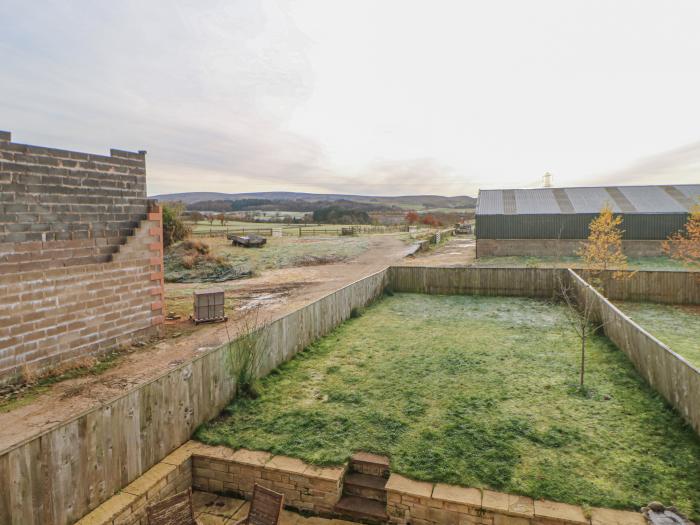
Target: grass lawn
(475, 391)
(676, 325)
(516, 261)
(279, 252)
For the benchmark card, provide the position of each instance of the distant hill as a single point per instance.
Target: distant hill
(406, 201)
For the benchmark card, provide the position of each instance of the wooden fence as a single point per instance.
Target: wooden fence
(652, 286)
(648, 286)
(667, 372)
(60, 475)
(264, 232)
(525, 282)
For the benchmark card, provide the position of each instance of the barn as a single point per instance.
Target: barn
(554, 221)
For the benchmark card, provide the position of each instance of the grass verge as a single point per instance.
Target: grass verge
(15, 396)
(475, 391)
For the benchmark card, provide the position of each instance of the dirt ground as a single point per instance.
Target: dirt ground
(276, 292)
(459, 250)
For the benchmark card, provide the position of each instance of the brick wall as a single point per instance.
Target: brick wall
(80, 255)
(50, 194)
(419, 503)
(305, 487)
(316, 490)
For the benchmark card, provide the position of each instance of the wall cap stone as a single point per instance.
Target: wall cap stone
(601, 516)
(255, 458)
(149, 479)
(286, 464)
(457, 494)
(512, 504)
(110, 509)
(398, 483)
(560, 511)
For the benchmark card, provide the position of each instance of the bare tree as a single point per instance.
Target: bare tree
(580, 312)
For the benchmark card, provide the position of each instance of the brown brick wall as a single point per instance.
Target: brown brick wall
(76, 287)
(50, 194)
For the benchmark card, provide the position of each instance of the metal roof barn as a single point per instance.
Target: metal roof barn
(648, 212)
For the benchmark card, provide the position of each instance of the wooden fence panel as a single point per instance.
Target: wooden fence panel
(524, 282)
(667, 372)
(59, 476)
(650, 286)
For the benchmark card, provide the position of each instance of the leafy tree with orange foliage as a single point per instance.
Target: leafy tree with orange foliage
(603, 249)
(412, 217)
(684, 245)
(430, 220)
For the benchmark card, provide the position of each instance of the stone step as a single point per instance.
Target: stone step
(362, 509)
(364, 485)
(370, 464)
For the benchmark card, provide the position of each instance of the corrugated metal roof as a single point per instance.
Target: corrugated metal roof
(622, 199)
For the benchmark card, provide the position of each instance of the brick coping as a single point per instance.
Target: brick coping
(399, 488)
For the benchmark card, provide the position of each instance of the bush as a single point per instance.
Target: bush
(199, 247)
(174, 228)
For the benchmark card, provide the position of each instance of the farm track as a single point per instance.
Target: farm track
(275, 292)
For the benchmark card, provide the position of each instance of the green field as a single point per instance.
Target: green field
(639, 263)
(475, 391)
(230, 262)
(678, 326)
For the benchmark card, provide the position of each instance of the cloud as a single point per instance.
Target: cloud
(676, 166)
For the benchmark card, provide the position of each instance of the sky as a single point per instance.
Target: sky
(381, 97)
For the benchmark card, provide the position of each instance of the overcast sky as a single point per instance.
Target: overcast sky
(379, 96)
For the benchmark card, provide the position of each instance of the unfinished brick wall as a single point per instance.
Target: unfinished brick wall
(80, 255)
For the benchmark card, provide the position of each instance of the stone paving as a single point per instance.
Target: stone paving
(210, 509)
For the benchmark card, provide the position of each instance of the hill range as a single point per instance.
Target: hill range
(405, 201)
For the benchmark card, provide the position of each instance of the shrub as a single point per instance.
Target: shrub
(200, 247)
(245, 356)
(174, 228)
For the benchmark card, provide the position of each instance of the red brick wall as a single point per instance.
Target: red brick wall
(85, 290)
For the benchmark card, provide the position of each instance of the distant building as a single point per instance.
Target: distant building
(554, 221)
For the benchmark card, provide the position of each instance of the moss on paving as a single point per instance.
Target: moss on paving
(675, 325)
(475, 391)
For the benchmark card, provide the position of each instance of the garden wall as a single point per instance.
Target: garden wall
(80, 256)
(316, 490)
(60, 475)
(667, 372)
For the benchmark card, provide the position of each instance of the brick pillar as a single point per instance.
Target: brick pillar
(155, 213)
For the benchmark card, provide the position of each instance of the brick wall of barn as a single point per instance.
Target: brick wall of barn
(80, 255)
